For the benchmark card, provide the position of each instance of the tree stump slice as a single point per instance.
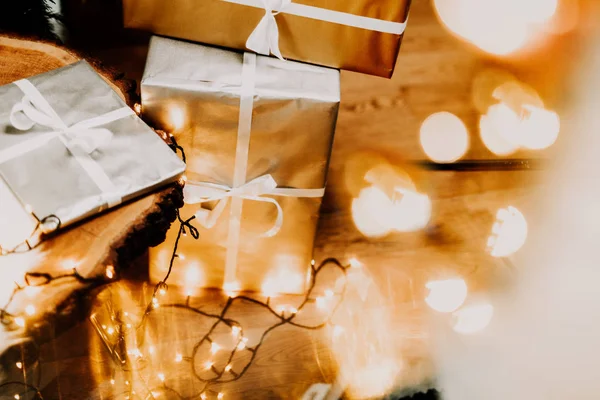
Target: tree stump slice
(114, 238)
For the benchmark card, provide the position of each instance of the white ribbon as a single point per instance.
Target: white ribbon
(81, 139)
(255, 190)
(265, 37)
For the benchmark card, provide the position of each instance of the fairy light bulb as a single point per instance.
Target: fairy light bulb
(181, 257)
(231, 288)
(242, 344)
(203, 396)
(320, 302)
(30, 310)
(214, 347)
(155, 303)
(151, 350)
(110, 272)
(110, 330)
(19, 364)
(178, 357)
(17, 397)
(162, 292)
(446, 296)
(509, 232)
(20, 321)
(337, 331)
(161, 376)
(354, 263)
(444, 137)
(112, 381)
(208, 365)
(228, 368)
(220, 396)
(235, 330)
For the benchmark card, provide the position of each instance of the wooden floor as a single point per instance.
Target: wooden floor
(435, 73)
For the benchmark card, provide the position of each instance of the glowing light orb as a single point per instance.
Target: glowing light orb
(444, 137)
(474, 318)
(494, 26)
(447, 295)
(411, 212)
(176, 117)
(491, 135)
(538, 11)
(371, 212)
(539, 129)
(509, 232)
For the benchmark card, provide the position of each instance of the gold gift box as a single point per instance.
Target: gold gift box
(194, 91)
(371, 49)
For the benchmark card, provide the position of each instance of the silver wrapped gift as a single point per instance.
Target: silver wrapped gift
(258, 134)
(71, 148)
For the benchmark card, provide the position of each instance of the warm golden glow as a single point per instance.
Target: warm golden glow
(498, 27)
(411, 211)
(161, 376)
(214, 348)
(447, 295)
(19, 364)
(371, 212)
(176, 117)
(490, 131)
(178, 358)
(283, 279)
(220, 396)
(70, 264)
(363, 342)
(444, 137)
(110, 272)
(208, 365)
(539, 128)
(473, 318)
(509, 232)
(228, 368)
(231, 288)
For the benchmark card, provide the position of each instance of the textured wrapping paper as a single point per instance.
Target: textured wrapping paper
(331, 41)
(45, 166)
(196, 92)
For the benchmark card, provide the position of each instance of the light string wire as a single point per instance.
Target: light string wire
(12, 321)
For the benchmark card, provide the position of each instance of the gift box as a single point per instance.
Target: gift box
(71, 148)
(357, 35)
(258, 134)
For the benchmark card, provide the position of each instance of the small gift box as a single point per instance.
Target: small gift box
(258, 134)
(357, 35)
(71, 148)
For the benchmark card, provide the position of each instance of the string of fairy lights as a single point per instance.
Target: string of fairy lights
(122, 324)
(212, 372)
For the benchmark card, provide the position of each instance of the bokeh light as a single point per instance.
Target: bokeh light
(495, 127)
(509, 232)
(411, 211)
(499, 27)
(371, 212)
(444, 137)
(539, 129)
(472, 318)
(447, 295)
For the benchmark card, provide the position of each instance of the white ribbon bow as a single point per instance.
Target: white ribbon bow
(256, 189)
(265, 37)
(82, 138)
(27, 113)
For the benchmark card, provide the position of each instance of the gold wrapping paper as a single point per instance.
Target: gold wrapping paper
(194, 92)
(313, 41)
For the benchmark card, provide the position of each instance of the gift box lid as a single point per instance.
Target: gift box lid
(174, 61)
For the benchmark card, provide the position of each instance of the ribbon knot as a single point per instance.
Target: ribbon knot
(265, 37)
(256, 190)
(32, 110)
